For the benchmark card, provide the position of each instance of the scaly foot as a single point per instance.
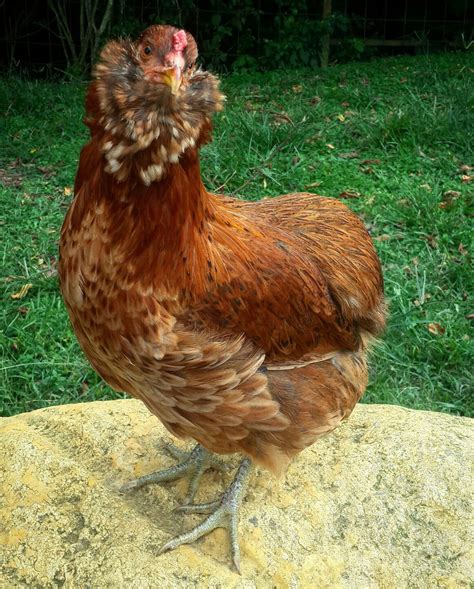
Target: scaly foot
(193, 465)
(223, 514)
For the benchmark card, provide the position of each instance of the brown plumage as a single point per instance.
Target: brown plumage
(243, 325)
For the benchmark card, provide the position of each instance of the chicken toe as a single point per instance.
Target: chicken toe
(193, 465)
(223, 513)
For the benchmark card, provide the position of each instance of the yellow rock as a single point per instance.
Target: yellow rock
(384, 502)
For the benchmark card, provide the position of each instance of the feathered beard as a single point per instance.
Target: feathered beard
(138, 109)
(138, 116)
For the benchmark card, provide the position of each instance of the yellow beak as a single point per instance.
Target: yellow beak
(173, 78)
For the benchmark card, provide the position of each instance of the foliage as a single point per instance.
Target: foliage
(298, 43)
(66, 35)
(94, 24)
(390, 137)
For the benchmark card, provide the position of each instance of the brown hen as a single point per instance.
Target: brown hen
(243, 325)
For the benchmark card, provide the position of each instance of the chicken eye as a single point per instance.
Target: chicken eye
(148, 50)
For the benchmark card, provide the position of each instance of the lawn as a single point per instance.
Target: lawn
(393, 138)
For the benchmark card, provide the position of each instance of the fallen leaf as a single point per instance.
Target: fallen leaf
(313, 185)
(349, 156)
(349, 194)
(315, 100)
(10, 179)
(451, 194)
(33, 150)
(465, 168)
(16, 163)
(51, 271)
(367, 170)
(341, 118)
(448, 198)
(424, 298)
(330, 145)
(282, 118)
(383, 237)
(67, 191)
(432, 240)
(465, 178)
(436, 328)
(426, 187)
(22, 292)
(297, 88)
(470, 316)
(23, 310)
(47, 171)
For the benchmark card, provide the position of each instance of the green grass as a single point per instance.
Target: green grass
(412, 118)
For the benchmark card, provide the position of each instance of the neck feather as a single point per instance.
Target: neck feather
(166, 228)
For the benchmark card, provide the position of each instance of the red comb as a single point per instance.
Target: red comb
(179, 40)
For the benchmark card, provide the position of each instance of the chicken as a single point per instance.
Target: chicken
(242, 325)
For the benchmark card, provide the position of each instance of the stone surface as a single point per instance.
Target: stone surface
(383, 502)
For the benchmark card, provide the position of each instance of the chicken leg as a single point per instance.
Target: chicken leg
(223, 513)
(193, 465)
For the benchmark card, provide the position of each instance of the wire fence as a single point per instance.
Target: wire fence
(30, 37)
